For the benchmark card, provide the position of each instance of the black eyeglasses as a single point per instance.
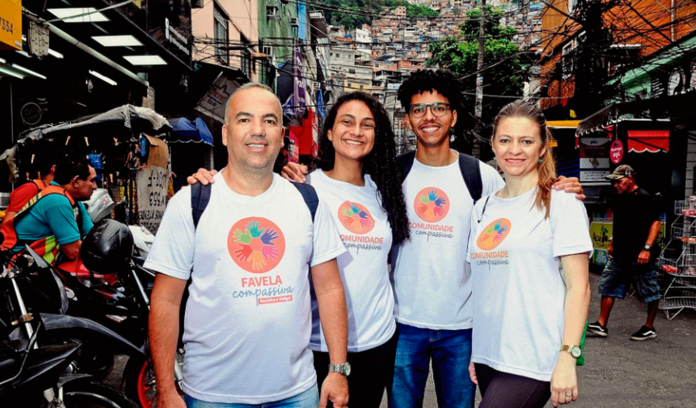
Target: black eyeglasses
(437, 109)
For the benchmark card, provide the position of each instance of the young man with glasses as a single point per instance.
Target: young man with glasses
(431, 277)
(631, 253)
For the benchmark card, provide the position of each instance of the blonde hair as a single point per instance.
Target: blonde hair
(547, 167)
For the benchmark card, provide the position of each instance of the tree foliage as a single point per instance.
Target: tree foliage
(460, 55)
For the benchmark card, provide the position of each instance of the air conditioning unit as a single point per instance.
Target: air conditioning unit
(294, 22)
(272, 11)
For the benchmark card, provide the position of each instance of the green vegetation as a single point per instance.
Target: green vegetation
(460, 55)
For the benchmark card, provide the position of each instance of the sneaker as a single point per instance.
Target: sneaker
(645, 333)
(597, 329)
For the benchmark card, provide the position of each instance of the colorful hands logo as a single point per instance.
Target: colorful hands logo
(256, 244)
(494, 234)
(356, 218)
(431, 204)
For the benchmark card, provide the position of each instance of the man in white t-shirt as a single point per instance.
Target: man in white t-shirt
(431, 278)
(248, 316)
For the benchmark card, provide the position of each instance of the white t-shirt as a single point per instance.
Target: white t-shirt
(248, 318)
(431, 277)
(366, 233)
(519, 292)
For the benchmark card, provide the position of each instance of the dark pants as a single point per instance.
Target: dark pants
(503, 390)
(372, 372)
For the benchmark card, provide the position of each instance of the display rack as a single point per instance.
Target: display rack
(678, 261)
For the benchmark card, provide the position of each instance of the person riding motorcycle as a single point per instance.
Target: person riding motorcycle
(55, 220)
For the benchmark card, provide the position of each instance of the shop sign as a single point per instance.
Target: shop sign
(616, 152)
(152, 196)
(594, 175)
(11, 24)
(600, 232)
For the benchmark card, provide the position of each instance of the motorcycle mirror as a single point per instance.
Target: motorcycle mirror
(40, 262)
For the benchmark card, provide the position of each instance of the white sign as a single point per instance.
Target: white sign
(152, 196)
(597, 175)
(594, 163)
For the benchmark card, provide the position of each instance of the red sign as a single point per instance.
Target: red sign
(616, 151)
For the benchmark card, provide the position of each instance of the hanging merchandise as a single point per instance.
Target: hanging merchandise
(96, 160)
(299, 84)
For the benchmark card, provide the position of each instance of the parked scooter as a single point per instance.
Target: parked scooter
(106, 287)
(35, 372)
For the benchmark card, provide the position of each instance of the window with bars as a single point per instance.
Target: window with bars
(221, 34)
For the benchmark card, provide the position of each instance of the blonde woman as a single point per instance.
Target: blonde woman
(528, 316)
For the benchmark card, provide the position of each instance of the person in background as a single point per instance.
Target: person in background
(632, 253)
(56, 221)
(528, 317)
(21, 195)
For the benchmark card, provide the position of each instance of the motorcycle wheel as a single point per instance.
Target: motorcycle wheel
(90, 394)
(140, 382)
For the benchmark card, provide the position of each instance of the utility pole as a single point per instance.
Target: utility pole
(478, 110)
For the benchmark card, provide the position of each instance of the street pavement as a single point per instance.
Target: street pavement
(621, 373)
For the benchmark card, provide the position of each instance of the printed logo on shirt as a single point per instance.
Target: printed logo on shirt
(431, 204)
(494, 234)
(356, 218)
(256, 244)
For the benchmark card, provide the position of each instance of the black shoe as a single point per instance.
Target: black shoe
(645, 333)
(597, 329)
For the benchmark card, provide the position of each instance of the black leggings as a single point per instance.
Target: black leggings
(503, 390)
(372, 372)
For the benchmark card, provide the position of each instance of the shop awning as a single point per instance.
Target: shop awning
(652, 141)
(186, 131)
(678, 108)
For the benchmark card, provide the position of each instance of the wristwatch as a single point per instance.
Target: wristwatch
(647, 247)
(343, 369)
(574, 351)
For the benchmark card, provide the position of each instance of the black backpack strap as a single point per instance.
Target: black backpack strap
(200, 196)
(309, 194)
(471, 171)
(404, 162)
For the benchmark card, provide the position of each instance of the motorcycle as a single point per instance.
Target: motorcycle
(34, 372)
(107, 286)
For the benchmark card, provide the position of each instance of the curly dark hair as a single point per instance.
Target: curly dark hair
(380, 163)
(428, 80)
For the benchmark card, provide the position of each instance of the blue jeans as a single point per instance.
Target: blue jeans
(307, 399)
(450, 351)
(616, 277)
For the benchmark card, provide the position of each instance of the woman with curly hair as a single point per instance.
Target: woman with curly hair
(358, 180)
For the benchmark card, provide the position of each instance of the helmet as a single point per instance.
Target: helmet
(107, 248)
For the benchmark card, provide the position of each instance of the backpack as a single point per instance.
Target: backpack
(200, 196)
(47, 247)
(468, 165)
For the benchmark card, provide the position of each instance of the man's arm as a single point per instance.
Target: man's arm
(644, 255)
(71, 250)
(164, 331)
(334, 321)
